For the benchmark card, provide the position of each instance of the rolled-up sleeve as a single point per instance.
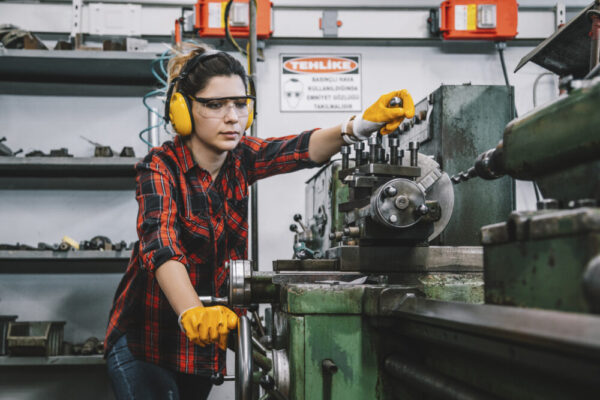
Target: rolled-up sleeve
(267, 157)
(157, 223)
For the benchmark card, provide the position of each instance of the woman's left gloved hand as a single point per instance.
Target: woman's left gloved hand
(383, 117)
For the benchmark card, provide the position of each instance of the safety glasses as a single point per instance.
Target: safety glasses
(218, 107)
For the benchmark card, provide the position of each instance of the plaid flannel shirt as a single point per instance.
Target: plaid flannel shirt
(186, 216)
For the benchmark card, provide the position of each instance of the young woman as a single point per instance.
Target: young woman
(161, 342)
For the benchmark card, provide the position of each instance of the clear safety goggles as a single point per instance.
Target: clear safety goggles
(219, 107)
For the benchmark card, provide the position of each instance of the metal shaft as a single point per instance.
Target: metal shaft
(345, 150)
(414, 153)
(393, 142)
(252, 55)
(358, 151)
(153, 126)
(373, 149)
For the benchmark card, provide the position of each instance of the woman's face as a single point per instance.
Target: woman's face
(219, 134)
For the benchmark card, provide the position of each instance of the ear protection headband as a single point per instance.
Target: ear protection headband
(178, 107)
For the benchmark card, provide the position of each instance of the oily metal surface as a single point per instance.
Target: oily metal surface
(442, 191)
(565, 332)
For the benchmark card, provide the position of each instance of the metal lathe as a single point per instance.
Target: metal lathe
(407, 283)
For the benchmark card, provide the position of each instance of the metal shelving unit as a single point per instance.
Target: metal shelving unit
(75, 72)
(9, 361)
(48, 261)
(93, 173)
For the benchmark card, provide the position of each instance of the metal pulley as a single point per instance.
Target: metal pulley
(240, 273)
(397, 203)
(401, 203)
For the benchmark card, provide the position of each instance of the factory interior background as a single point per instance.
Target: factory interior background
(396, 52)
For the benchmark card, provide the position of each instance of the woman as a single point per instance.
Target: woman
(161, 342)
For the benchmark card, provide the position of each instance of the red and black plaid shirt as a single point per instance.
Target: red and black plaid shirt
(186, 216)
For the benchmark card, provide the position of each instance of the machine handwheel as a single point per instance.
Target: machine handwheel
(243, 360)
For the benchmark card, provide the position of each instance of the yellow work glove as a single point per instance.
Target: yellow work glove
(383, 117)
(207, 325)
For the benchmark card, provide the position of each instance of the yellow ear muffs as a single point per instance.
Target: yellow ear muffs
(180, 114)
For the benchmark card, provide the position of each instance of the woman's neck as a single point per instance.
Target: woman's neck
(205, 156)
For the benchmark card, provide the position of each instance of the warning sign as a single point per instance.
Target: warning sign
(320, 83)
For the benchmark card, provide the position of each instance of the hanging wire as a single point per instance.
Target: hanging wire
(158, 70)
(535, 85)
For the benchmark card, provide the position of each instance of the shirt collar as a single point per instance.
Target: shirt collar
(185, 154)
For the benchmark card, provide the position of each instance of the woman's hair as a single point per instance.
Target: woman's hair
(221, 65)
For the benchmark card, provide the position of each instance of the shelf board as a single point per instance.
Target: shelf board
(93, 173)
(9, 361)
(76, 72)
(48, 261)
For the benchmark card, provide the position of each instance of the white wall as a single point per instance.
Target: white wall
(44, 123)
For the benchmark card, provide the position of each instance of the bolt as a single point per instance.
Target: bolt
(423, 209)
(401, 202)
(329, 366)
(393, 218)
(390, 191)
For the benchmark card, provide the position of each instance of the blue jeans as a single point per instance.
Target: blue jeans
(135, 379)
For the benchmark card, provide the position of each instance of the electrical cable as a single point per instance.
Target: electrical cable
(500, 47)
(228, 35)
(535, 84)
(158, 70)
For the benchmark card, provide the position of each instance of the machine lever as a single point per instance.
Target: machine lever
(214, 301)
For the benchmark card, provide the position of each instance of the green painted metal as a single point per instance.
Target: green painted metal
(350, 343)
(467, 120)
(467, 288)
(537, 258)
(562, 134)
(540, 273)
(324, 299)
(296, 356)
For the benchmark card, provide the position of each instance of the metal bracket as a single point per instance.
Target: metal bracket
(77, 12)
(329, 23)
(560, 12)
(429, 180)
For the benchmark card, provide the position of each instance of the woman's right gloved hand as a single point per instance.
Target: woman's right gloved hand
(383, 117)
(207, 325)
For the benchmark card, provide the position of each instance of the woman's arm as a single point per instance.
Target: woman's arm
(174, 281)
(381, 116)
(326, 142)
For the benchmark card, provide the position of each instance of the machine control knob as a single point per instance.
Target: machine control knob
(297, 217)
(352, 231)
(390, 191)
(337, 236)
(402, 202)
(396, 102)
(294, 228)
(423, 209)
